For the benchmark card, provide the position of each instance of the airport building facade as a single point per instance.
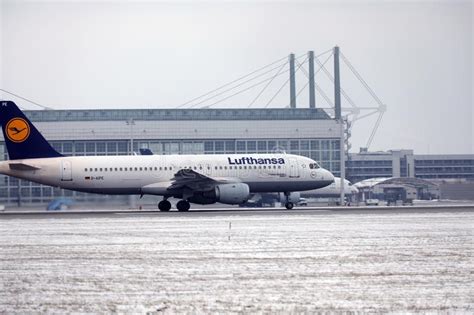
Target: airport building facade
(308, 132)
(404, 163)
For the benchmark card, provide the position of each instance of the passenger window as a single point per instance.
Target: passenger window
(105, 169)
(95, 169)
(166, 168)
(100, 169)
(146, 169)
(140, 169)
(85, 170)
(120, 169)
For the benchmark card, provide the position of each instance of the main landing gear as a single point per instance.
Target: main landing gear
(164, 205)
(183, 205)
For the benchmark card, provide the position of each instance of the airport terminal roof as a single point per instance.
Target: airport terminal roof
(179, 114)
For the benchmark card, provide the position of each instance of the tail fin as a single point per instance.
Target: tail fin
(23, 140)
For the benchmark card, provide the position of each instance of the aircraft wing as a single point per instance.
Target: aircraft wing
(187, 178)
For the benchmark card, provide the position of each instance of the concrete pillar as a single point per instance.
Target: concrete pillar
(337, 85)
(292, 81)
(312, 93)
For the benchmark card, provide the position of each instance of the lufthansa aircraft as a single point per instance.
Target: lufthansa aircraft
(201, 179)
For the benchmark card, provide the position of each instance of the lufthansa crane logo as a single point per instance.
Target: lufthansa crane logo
(17, 130)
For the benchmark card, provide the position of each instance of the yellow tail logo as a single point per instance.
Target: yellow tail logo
(17, 130)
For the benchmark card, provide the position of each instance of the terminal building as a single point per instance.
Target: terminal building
(426, 176)
(404, 163)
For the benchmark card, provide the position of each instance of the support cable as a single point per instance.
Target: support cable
(307, 74)
(284, 84)
(241, 91)
(234, 87)
(358, 76)
(25, 99)
(234, 81)
(343, 92)
(376, 127)
(265, 87)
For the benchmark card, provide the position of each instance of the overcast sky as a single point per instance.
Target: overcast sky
(417, 57)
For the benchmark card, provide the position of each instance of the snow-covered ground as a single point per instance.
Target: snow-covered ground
(298, 263)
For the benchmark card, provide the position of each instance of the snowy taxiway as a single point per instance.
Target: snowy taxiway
(295, 262)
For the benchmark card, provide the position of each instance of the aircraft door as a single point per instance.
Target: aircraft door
(294, 168)
(66, 171)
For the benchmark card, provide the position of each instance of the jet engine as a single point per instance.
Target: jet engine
(231, 194)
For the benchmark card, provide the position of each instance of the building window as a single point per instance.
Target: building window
(241, 148)
(251, 146)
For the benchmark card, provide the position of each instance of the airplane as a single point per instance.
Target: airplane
(200, 179)
(332, 191)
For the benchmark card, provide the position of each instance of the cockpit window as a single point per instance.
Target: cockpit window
(313, 165)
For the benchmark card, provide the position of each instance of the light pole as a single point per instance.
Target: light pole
(130, 122)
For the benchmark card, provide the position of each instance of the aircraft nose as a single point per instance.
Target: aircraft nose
(327, 176)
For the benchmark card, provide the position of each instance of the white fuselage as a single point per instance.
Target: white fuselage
(153, 174)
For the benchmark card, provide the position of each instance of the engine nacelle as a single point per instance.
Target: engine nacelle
(231, 194)
(294, 197)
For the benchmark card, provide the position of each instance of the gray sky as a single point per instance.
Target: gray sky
(417, 56)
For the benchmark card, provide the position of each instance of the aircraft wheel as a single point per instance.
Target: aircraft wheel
(183, 205)
(289, 205)
(164, 205)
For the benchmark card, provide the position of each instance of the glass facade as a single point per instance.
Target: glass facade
(324, 151)
(445, 168)
(365, 165)
(358, 170)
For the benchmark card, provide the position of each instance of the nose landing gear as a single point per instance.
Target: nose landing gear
(288, 204)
